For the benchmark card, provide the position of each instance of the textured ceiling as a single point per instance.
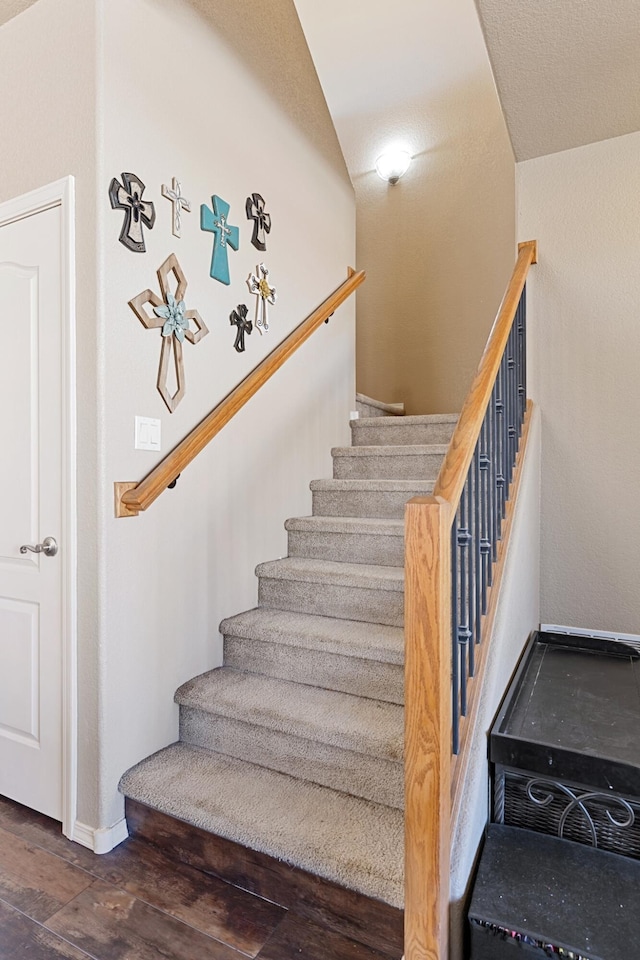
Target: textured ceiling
(567, 71)
(11, 8)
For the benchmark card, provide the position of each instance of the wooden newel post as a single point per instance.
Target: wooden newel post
(427, 727)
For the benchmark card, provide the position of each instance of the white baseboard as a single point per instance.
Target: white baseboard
(102, 840)
(631, 638)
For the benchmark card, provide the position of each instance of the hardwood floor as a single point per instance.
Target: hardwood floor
(59, 900)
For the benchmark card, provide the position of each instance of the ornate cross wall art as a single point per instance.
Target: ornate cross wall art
(127, 196)
(179, 204)
(238, 318)
(259, 285)
(261, 220)
(171, 314)
(224, 236)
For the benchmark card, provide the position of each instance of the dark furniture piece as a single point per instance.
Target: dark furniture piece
(552, 894)
(566, 743)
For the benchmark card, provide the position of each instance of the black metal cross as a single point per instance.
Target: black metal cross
(238, 318)
(127, 196)
(261, 220)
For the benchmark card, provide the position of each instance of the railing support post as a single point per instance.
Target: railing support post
(427, 727)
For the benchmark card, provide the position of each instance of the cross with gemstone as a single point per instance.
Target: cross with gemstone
(174, 194)
(216, 222)
(238, 318)
(261, 220)
(127, 196)
(259, 285)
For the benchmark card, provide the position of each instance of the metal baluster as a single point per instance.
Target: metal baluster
(512, 407)
(485, 537)
(477, 542)
(463, 614)
(471, 619)
(455, 681)
(500, 432)
(523, 358)
(493, 476)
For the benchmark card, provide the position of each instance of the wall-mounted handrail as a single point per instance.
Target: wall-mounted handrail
(454, 551)
(132, 498)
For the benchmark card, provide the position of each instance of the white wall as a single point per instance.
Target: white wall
(517, 615)
(439, 246)
(583, 206)
(188, 102)
(47, 114)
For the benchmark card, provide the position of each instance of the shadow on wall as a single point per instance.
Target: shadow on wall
(438, 247)
(270, 42)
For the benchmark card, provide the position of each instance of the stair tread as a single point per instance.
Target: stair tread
(369, 641)
(362, 575)
(392, 450)
(370, 727)
(292, 820)
(409, 486)
(408, 421)
(369, 526)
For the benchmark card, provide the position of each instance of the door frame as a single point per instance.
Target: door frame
(61, 193)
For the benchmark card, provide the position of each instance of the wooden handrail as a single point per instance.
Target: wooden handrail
(432, 775)
(453, 471)
(132, 498)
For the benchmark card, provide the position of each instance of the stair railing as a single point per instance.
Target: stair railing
(131, 497)
(454, 545)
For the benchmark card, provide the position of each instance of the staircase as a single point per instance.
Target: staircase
(294, 748)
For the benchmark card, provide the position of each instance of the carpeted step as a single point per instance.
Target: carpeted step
(347, 539)
(350, 841)
(352, 591)
(375, 431)
(348, 743)
(365, 659)
(384, 499)
(392, 462)
(368, 407)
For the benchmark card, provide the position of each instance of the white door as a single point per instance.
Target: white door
(31, 432)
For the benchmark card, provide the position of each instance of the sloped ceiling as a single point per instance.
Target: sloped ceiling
(567, 71)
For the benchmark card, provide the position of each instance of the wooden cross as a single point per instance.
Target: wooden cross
(127, 196)
(224, 236)
(170, 314)
(179, 204)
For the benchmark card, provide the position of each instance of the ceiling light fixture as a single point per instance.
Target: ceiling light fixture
(392, 164)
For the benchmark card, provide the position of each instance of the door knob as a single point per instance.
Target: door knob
(48, 546)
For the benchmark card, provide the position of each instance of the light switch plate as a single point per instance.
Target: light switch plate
(148, 433)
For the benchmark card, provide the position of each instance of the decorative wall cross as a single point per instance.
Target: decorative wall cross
(224, 236)
(238, 318)
(259, 285)
(261, 220)
(179, 204)
(171, 314)
(127, 196)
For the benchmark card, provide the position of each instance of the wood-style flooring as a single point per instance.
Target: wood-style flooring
(59, 900)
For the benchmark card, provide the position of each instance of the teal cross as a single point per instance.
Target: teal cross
(224, 236)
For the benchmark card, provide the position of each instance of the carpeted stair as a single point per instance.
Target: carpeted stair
(294, 747)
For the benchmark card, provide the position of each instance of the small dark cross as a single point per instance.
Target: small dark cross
(127, 196)
(216, 222)
(238, 318)
(261, 220)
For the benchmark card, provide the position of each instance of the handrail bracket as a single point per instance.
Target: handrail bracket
(119, 489)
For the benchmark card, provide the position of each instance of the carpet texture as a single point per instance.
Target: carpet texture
(295, 747)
